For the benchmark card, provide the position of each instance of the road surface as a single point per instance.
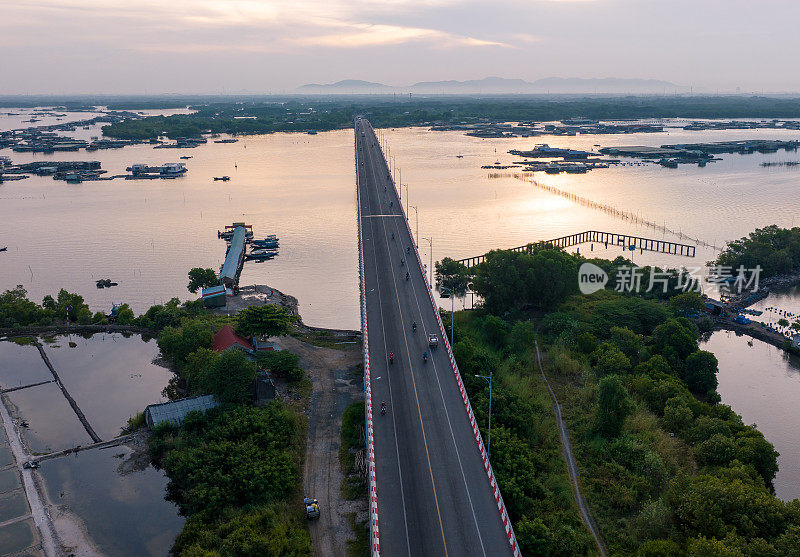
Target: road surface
(434, 496)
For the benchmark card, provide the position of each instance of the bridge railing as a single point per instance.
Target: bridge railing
(512, 539)
(375, 546)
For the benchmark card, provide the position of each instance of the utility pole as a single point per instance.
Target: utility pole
(489, 435)
(416, 212)
(430, 241)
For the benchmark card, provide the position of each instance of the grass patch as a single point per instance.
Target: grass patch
(352, 452)
(23, 341)
(135, 422)
(358, 547)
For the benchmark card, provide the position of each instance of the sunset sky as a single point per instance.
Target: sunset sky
(216, 46)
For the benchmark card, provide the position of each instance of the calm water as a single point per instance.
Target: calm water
(124, 512)
(111, 378)
(146, 235)
(762, 383)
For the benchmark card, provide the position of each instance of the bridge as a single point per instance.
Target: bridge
(606, 238)
(432, 490)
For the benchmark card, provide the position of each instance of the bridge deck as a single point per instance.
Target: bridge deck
(433, 493)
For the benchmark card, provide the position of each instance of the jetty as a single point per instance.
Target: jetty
(625, 241)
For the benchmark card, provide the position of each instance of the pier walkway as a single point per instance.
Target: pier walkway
(606, 238)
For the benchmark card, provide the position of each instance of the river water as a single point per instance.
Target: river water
(147, 234)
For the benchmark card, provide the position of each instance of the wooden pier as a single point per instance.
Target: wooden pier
(607, 239)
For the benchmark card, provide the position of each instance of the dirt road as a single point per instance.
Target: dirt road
(334, 388)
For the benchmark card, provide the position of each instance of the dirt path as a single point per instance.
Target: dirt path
(334, 388)
(572, 467)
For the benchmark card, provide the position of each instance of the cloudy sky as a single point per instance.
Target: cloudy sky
(265, 46)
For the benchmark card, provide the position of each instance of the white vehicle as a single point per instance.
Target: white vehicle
(433, 340)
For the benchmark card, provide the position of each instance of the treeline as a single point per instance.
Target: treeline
(306, 114)
(775, 249)
(666, 468)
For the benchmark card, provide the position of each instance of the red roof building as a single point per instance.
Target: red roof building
(226, 338)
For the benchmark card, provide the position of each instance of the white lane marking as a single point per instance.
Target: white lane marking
(449, 423)
(389, 382)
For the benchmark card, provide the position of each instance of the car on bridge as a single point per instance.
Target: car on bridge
(433, 340)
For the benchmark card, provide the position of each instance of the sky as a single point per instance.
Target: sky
(272, 47)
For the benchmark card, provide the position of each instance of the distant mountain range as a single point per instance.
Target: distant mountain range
(499, 86)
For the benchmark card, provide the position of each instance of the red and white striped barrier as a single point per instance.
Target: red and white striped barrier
(512, 539)
(375, 546)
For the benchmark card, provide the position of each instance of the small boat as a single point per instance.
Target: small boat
(459, 156)
(223, 178)
(265, 243)
(186, 157)
(4, 248)
(262, 254)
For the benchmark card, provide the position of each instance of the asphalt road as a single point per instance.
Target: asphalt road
(434, 497)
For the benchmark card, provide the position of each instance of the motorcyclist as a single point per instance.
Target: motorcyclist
(391, 357)
(414, 326)
(392, 235)
(383, 407)
(425, 356)
(402, 261)
(407, 275)
(408, 249)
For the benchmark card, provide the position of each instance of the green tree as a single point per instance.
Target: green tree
(613, 405)
(269, 320)
(201, 278)
(783, 322)
(228, 376)
(452, 275)
(687, 302)
(607, 359)
(124, 315)
(674, 337)
(701, 371)
(177, 343)
(282, 363)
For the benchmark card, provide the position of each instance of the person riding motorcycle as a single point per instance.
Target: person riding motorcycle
(407, 275)
(391, 357)
(414, 326)
(383, 407)
(424, 356)
(392, 235)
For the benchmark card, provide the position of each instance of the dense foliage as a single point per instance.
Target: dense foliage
(666, 468)
(234, 472)
(254, 115)
(268, 320)
(776, 250)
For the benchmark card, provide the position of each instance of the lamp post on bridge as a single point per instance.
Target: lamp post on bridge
(452, 295)
(489, 435)
(416, 212)
(430, 241)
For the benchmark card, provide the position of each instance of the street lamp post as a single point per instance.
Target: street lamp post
(489, 436)
(416, 212)
(430, 241)
(452, 295)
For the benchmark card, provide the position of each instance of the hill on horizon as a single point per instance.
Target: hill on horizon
(500, 85)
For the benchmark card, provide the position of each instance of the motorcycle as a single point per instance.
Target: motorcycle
(383, 408)
(414, 326)
(407, 276)
(424, 356)
(391, 357)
